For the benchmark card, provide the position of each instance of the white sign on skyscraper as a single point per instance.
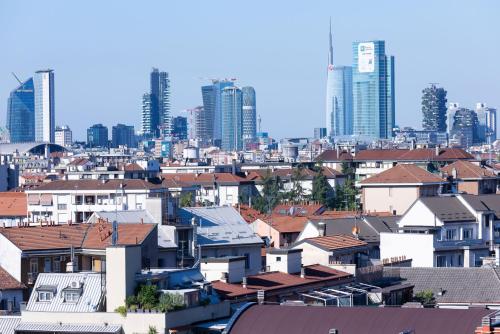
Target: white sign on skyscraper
(366, 57)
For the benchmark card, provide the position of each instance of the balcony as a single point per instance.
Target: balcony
(32, 277)
(458, 244)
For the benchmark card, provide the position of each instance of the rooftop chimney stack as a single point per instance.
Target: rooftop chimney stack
(244, 283)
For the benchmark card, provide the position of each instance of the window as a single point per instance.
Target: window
(57, 266)
(34, 265)
(441, 261)
(47, 265)
(71, 296)
(61, 206)
(278, 259)
(467, 233)
(45, 296)
(451, 234)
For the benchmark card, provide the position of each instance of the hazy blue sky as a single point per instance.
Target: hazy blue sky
(102, 52)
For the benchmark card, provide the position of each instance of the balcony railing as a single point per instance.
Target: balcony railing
(438, 244)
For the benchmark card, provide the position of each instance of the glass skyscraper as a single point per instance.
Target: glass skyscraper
(338, 96)
(249, 114)
(44, 106)
(373, 90)
(97, 136)
(122, 134)
(487, 123)
(232, 119)
(212, 104)
(156, 118)
(21, 113)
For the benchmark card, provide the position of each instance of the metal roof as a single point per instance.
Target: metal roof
(126, 216)
(67, 328)
(9, 323)
(89, 301)
(221, 225)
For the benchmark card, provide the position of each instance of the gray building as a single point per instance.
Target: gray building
(487, 123)
(179, 128)
(232, 119)
(464, 128)
(249, 115)
(320, 133)
(21, 113)
(45, 123)
(434, 108)
(122, 134)
(97, 136)
(156, 106)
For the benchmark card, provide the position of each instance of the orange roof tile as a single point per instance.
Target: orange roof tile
(99, 235)
(287, 224)
(13, 204)
(335, 242)
(403, 173)
(468, 170)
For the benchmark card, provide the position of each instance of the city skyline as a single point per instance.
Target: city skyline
(290, 60)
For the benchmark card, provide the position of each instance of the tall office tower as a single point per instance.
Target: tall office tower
(202, 125)
(434, 109)
(465, 126)
(21, 113)
(249, 115)
(487, 123)
(212, 103)
(97, 136)
(44, 106)
(180, 128)
(450, 115)
(232, 119)
(122, 134)
(373, 90)
(156, 106)
(63, 136)
(320, 133)
(338, 96)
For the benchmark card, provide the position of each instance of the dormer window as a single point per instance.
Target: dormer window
(73, 292)
(46, 293)
(71, 297)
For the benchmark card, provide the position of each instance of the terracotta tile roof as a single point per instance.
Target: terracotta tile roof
(78, 162)
(403, 173)
(7, 282)
(336, 242)
(132, 167)
(93, 236)
(423, 154)
(330, 214)
(287, 224)
(71, 185)
(467, 170)
(272, 281)
(334, 155)
(205, 178)
(99, 235)
(13, 204)
(249, 214)
(298, 209)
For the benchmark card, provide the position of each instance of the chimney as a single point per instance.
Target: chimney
(302, 272)
(321, 228)
(437, 150)
(244, 283)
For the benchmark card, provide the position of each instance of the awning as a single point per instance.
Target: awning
(46, 199)
(33, 199)
(67, 328)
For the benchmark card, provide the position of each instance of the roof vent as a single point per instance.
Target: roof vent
(333, 331)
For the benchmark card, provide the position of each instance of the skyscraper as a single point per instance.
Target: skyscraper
(249, 115)
(373, 90)
(232, 120)
(465, 126)
(487, 123)
(21, 113)
(450, 115)
(179, 128)
(156, 106)
(97, 136)
(63, 136)
(122, 134)
(434, 108)
(44, 106)
(338, 96)
(212, 103)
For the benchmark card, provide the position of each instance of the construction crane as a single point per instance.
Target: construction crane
(215, 80)
(15, 76)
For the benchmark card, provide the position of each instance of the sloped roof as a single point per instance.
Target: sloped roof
(298, 209)
(344, 226)
(277, 319)
(132, 167)
(423, 154)
(206, 179)
(403, 173)
(334, 155)
(467, 170)
(8, 324)
(287, 224)
(490, 202)
(126, 216)
(99, 235)
(448, 208)
(13, 204)
(89, 301)
(460, 285)
(220, 225)
(336, 242)
(72, 185)
(7, 282)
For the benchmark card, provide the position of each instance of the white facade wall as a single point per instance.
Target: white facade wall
(213, 271)
(388, 199)
(313, 255)
(10, 257)
(419, 215)
(286, 263)
(415, 246)
(253, 251)
(309, 231)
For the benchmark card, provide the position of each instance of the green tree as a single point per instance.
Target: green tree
(170, 301)
(321, 190)
(186, 200)
(297, 192)
(426, 297)
(147, 296)
(152, 330)
(271, 193)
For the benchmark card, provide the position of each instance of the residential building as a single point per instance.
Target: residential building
(450, 118)
(123, 135)
(470, 178)
(45, 121)
(396, 189)
(320, 133)
(11, 293)
(434, 108)
(221, 232)
(487, 123)
(249, 117)
(212, 104)
(332, 250)
(201, 126)
(448, 231)
(63, 136)
(280, 231)
(180, 128)
(156, 106)
(373, 90)
(293, 319)
(13, 208)
(232, 120)
(464, 128)
(97, 136)
(21, 113)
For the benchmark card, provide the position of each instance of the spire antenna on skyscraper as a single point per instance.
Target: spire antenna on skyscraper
(330, 50)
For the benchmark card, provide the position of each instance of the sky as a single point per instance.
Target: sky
(102, 53)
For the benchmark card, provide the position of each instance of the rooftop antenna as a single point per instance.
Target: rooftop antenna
(15, 76)
(260, 123)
